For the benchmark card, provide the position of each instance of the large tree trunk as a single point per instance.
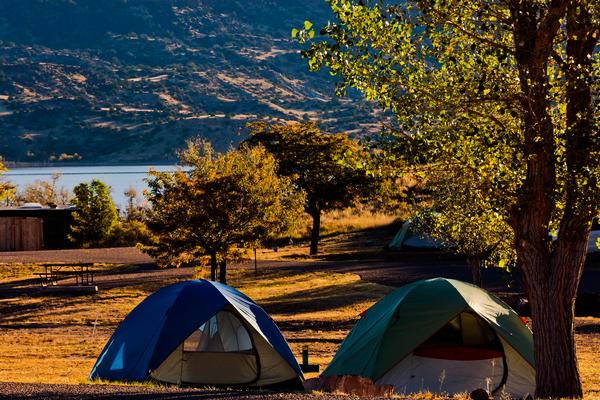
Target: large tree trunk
(315, 213)
(474, 263)
(213, 266)
(551, 271)
(552, 280)
(223, 271)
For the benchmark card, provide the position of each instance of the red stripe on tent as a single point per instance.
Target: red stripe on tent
(458, 353)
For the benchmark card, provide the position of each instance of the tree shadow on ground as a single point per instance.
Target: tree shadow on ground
(322, 298)
(588, 328)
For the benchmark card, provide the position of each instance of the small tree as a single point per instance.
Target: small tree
(95, 214)
(465, 220)
(462, 209)
(6, 188)
(221, 204)
(45, 192)
(135, 209)
(330, 169)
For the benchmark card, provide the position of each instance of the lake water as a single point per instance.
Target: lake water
(119, 178)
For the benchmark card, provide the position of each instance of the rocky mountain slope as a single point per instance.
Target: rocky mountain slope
(129, 80)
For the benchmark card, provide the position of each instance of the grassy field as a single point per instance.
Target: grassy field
(56, 339)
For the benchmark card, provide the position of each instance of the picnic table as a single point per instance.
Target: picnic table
(54, 272)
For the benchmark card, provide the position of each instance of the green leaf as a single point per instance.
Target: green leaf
(307, 25)
(294, 32)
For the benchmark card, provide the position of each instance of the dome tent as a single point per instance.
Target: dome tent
(440, 335)
(198, 332)
(408, 238)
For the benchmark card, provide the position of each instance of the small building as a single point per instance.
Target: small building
(34, 227)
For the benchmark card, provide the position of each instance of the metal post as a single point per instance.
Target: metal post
(255, 264)
(305, 354)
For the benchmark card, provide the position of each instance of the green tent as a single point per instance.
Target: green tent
(440, 335)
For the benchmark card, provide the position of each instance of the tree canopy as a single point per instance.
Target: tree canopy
(218, 204)
(95, 214)
(505, 91)
(331, 169)
(461, 217)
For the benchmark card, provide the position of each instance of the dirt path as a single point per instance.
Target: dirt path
(402, 268)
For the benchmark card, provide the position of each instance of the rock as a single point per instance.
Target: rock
(480, 394)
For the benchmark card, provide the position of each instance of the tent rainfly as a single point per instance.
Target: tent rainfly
(199, 332)
(443, 336)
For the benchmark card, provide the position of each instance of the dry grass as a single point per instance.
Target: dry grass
(587, 340)
(56, 339)
(352, 232)
(15, 272)
(353, 219)
(343, 221)
(314, 309)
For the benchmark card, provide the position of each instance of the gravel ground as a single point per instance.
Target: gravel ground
(121, 255)
(34, 391)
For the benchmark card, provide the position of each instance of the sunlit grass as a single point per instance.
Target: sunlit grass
(588, 355)
(317, 308)
(14, 272)
(56, 339)
(343, 221)
(352, 219)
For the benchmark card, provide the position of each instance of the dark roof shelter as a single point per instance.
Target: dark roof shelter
(35, 228)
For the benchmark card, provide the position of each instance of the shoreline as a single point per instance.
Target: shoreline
(23, 165)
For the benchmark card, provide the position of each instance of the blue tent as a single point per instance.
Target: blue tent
(198, 332)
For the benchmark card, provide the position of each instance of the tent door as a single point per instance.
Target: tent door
(465, 354)
(218, 368)
(416, 374)
(220, 352)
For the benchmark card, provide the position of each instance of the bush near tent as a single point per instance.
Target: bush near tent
(199, 332)
(440, 335)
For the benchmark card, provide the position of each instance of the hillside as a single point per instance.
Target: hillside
(130, 80)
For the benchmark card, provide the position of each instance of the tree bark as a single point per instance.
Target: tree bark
(315, 213)
(223, 271)
(552, 284)
(551, 271)
(213, 266)
(474, 263)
